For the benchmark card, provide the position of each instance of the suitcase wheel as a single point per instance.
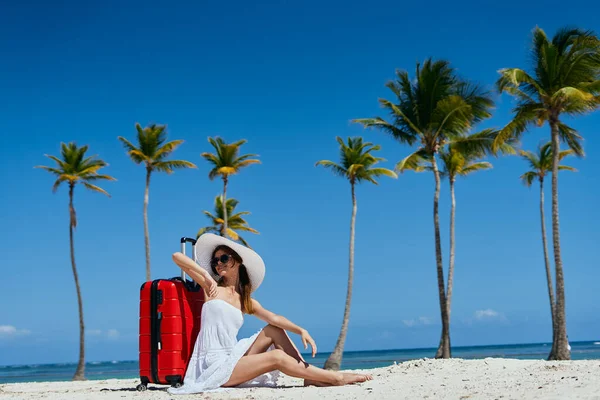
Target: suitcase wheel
(176, 385)
(141, 387)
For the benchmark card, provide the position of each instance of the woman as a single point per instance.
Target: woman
(228, 273)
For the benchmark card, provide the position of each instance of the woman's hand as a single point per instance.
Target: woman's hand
(306, 338)
(198, 274)
(212, 288)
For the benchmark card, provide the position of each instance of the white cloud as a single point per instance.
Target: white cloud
(416, 322)
(486, 314)
(109, 334)
(112, 334)
(10, 331)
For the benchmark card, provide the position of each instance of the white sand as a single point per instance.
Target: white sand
(420, 379)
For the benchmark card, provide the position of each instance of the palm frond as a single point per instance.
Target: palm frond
(167, 149)
(399, 115)
(528, 178)
(566, 168)
(474, 167)
(571, 138)
(245, 163)
(169, 166)
(335, 168)
(204, 230)
(400, 135)
(61, 164)
(515, 77)
(525, 116)
(97, 177)
(57, 183)
(482, 143)
(95, 188)
(210, 157)
(232, 234)
(415, 161)
(534, 159)
(382, 172)
(136, 155)
(243, 241)
(454, 114)
(245, 229)
(55, 171)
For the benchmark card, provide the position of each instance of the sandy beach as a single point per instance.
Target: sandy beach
(490, 378)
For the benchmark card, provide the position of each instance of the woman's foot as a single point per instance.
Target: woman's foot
(356, 378)
(309, 382)
(349, 379)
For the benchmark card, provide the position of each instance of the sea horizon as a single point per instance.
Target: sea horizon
(357, 359)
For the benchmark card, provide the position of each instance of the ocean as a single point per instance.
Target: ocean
(98, 370)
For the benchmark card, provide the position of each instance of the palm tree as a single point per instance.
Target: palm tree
(565, 79)
(461, 158)
(457, 163)
(357, 165)
(152, 151)
(541, 165)
(73, 168)
(236, 221)
(432, 110)
(226, 162)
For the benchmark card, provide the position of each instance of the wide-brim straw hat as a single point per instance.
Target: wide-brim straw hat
(206, 244)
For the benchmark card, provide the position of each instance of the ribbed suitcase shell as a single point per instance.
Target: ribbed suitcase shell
(170, 312)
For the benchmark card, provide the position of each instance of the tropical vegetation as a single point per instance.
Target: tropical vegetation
(434, 108)
(564, 79)
(433, 111)
(74, 167)
(540, 165)
(226, 161)
(152, 151)
(357, 164)
(236, 221)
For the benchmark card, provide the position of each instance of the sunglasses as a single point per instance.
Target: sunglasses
(223, 258)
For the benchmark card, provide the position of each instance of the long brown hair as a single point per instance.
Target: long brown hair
(244, 285)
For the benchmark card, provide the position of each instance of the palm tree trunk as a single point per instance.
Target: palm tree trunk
(548, 273)
(562, 351)
(225, 206)
(450, 269)
(80, 371)
(451, 262)
(445, 344)
(440, 349)
(146, 232)
(334, 360)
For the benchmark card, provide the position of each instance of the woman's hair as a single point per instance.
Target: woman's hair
(244, 285)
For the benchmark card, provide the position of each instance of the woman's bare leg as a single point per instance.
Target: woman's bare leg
(251, 366)
(272, 335)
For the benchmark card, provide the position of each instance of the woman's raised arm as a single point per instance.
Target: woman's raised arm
(285, 324)
(197, 273)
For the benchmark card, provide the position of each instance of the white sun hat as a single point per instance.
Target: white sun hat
(206, 244)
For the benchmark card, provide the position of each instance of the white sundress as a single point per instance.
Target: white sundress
(217, 351)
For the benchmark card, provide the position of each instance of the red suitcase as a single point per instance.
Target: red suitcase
(170, 311)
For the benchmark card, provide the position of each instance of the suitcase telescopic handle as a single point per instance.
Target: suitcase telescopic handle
(183, 241)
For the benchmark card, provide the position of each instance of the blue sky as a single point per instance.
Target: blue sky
(287, 76)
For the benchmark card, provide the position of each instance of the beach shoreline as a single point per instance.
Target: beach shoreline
(423, 378)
